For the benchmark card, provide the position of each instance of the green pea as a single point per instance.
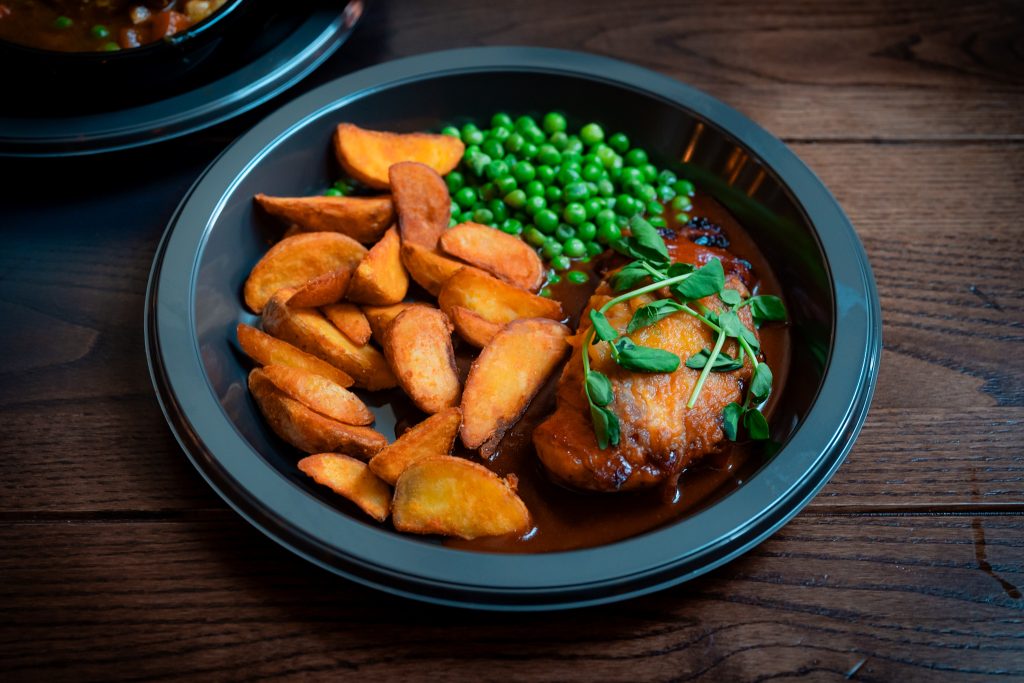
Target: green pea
(653, 208)
(466, 197)
(533, 236)
(619, 142)
(528, 150)
(625, 206)
(605, 187)
(667, 177)
(591, 189)
(592, 172)
(333, 192)
(682, 203)
(516, 199)
(683, 187)
(554, 278)
(574, 213)
(492, 148)
(455, 181)
(564, 231)
(558, 140)
(574, 248)
(546, 220)
(591, 134)
(604, 217)
(514, 142)
(666, 193)
(546, 292)
(523, 172)
(636, 157)
(656, 221)
(548, 155)
(488, 191)
(606, 234)
(593, 206)
(483, 216)
(631, 176)
(554, 122)
(576, 192)
(557, 207)
(111, 47)
(553, 193)
(504, 185)
(479, 163)
(650, 172)
(466, 217)
(499, 134)
(573, 146)
(561, 262)
(568, 175)
(621, 221)
(536, 136)
(451, 131)
(682, 218)
(551, 248)
(586, 231)
(594, 248)
(534, 204)
(99, 31)
(573, 161)
(502, 120)
(452, 221)
(472, 136)
(342, 186)
(471, 151)
(497, 169)
(534, 188)
(524, 122)
(576, 277)
(606, 156)
(511, 226)
(498, 210)
(63, 22)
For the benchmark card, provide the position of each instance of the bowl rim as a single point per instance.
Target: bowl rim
(407, 566)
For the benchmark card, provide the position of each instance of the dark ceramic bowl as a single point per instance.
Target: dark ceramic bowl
(214, 239)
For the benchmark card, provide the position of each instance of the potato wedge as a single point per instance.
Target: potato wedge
(352, 479)
(506, 376)
(308, 329)
(433, 436)
(307, 430)
(451, 496)
(502, 255)
(380, 278)
(322, 290)
(267, 350)
(494, 300)
(472, 327)
(366, 155)
(380, 317)
(429, 269)
(418, 345)
(422, 203)
(350, 320)
(319, 394)
(364, 219)
(294, 261)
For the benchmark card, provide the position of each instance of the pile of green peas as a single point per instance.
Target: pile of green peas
(568, 194)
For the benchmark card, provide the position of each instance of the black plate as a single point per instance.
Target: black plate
(193, 305)
(241, 73)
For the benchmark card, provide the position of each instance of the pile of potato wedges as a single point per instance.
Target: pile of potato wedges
(337, 313)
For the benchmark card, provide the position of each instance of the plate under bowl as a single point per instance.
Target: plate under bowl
(193, 305)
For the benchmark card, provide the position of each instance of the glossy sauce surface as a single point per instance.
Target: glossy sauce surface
(565, 519)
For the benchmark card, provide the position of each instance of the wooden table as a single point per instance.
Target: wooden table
(119, 563)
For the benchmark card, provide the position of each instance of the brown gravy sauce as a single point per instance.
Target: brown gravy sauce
(565, 519)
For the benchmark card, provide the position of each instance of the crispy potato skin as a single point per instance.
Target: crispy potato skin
(494, 300)
(380, 279)
(352, 479)
(364, 219)
(350, 320)
(319, 394)
(433, 436)
(380, 317)
(660, 436)
(422, 203)
(418, 344)
(502, 255)
(294, 261)
(307, 430)
(366, 155)
(307, 329)
(506, 376)
(451, 496)
(267, 350)
(322, 290)
(429, 269)
(472, 327)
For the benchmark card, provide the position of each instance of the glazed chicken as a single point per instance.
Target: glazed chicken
(660, 436)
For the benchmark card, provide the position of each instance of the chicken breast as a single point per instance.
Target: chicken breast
(660, 436)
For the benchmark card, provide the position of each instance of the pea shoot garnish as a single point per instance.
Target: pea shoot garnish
(651, 270)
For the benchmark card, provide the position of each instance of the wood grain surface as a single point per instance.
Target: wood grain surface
(119, 563)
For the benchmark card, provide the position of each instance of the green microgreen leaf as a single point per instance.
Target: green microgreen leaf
(731, 420)
(599, 388)
(603, 329)
(766, 308)
(731, 297)
(677, 269)
(646, 243)
(606, 426)
(705, 281)
(723, 361)
(652, 313)
(756, 425)
(645, 359)
(730, 322)
(761, 384)
(631, 275)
